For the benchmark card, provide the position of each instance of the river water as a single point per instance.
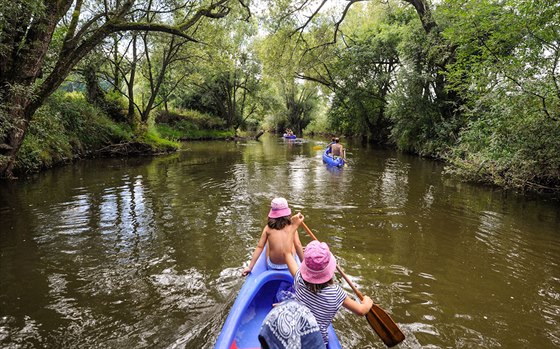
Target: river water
(147, 252)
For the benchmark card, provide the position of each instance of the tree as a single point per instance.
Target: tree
(507, 67)
(365, 72)
(440, 53)
(295, 97)
(225, 81)
(41, 41)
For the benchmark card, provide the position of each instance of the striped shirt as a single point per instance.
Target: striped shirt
(324, 304)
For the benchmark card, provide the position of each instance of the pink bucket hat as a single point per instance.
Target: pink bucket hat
(279, 208)
(318, 263)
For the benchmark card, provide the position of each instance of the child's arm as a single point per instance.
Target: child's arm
(358, 308)
(257, 253)
(287, 246)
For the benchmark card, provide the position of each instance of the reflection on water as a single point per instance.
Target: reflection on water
(147, 252)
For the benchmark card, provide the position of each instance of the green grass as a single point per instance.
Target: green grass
(158, 143)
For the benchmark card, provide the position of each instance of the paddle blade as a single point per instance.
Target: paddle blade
(318, 147)
(384, 326)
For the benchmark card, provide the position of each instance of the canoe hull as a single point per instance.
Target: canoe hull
(251, 306)
(287, 136)
(328, 159)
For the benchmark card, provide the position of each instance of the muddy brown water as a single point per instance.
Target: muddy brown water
(147, 252)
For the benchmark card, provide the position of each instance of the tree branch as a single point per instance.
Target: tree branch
(150, 27)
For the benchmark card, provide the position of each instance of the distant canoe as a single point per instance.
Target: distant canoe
(287, 136)
(329, 160)
(254, 301)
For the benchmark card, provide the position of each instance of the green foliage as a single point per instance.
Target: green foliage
(65, 127)
(320, 123)
(46, 143)
(154, 139)
(417, 125)
(486, 35)
(190, 118)
(424, 117)
(114, 105)
(88, 126)
(191, 124)
(365, 75)
(511, 144)
(187, 133)
(222, 77)
(506, 68)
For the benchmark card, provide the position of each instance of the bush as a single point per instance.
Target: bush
(115, 106)
(64, 127)
(191, 124)
(184, 132)
(511, 144)
(190, 119)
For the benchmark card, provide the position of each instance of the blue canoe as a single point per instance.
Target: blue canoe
(253, 303)
(287, 136)
(328, 159)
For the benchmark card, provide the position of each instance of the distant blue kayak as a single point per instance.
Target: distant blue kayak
(287, 136)
(328, 159)
(254, 301)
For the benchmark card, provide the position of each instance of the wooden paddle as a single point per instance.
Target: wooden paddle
(378, 319)
(318, 147)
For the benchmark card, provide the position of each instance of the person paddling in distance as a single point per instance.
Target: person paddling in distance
(280, 229)
(315, 288)
(337, 150)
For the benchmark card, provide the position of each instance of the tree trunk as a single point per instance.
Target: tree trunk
(94, 94)
(14, 141)
(131, 107)
(19, 71)
(448, 101)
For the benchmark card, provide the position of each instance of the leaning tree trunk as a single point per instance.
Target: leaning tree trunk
(448, 100)
(21, 67)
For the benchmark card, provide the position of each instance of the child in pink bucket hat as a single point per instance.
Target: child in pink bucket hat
(314, 286)
(318, 264)
(280, 228)
(279, 208)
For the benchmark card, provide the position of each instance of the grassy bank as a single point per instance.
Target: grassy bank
(67, 128)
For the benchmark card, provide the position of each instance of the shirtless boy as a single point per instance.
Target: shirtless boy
(279, 228)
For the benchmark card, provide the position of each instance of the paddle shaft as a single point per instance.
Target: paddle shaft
(377, 318)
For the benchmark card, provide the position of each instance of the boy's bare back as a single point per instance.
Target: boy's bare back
(276, 241)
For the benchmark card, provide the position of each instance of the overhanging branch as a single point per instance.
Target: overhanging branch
(151, 27)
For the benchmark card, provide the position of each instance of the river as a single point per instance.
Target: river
(147, 252)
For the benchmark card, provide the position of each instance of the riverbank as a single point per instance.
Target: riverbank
(68, 128)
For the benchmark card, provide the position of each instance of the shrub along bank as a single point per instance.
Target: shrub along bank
(191, 125)
(67, 128)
